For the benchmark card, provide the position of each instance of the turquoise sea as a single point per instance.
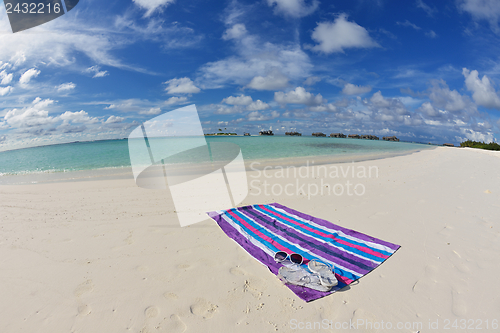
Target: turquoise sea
(112, 156)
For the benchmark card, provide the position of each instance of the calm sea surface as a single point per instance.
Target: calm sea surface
(114, 154)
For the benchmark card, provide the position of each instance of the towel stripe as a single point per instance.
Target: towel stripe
(355, 248)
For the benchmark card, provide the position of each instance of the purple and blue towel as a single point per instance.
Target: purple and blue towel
(262, 230)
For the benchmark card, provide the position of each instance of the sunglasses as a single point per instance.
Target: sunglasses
(281, 256)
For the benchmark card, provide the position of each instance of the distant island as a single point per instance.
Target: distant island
(480, 145)
(216, 134)
(220, 133)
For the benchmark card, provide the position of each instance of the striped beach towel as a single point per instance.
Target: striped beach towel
(262, 230)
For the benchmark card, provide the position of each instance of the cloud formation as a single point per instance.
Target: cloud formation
(298, 96)
(28, 75)
(153, 5)
(238, 100)
(293, 8)
(5, 90)
(235, 32)
(96, 70)
(114, 119)
(273, 81)
(183, 85)
(488, 10)
(352, 89)
(31, 116)
(482, 90)
(5, 78)
(339, 35)
(66, 86)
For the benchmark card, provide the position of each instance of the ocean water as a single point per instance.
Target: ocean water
(113, 155)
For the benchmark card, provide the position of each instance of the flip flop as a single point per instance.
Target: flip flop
(324, 271)
(300, 276)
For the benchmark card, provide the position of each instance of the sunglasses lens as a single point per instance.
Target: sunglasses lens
(280, 256)
(296, 258)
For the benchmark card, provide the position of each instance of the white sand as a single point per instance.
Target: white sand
(107, 256)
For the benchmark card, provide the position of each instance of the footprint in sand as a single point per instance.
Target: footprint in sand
(203, 308)
(154, 324)
(171, 296)
(84, 288)
(84, 310)
(152, 312)
(254, 287)
(173, 325)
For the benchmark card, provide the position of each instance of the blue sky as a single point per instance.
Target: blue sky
(426, 71)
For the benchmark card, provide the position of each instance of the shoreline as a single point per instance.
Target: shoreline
(125, 172)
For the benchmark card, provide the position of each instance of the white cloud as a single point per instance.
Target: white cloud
(298, 96)
(293, 8)
(58, 41)
(258, 116)
(427, 109)
(129, 105)
(488, 10)
(31, 116)
(339, 35)
(312, 80)
(222, 109)
(431, 34)
(258, 105)
(18, 59)
(42, 103)
(391, 110)
(6, 78)
(78, 117)
(114, 119)
(408, 24)
(482, 90)
(153, 5)
(66, 86)
(238, 100)
(470, 134)
(151, 111)
(450, 100)
(275, 80)
(181, 86)
(139, 105)
(325, 107)
(28, 75)
(235, 32)
(4, 65)
(97, 71)
(175, 100)
(352, 89)
(430, 11)
(256, 63)
(5, 90)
